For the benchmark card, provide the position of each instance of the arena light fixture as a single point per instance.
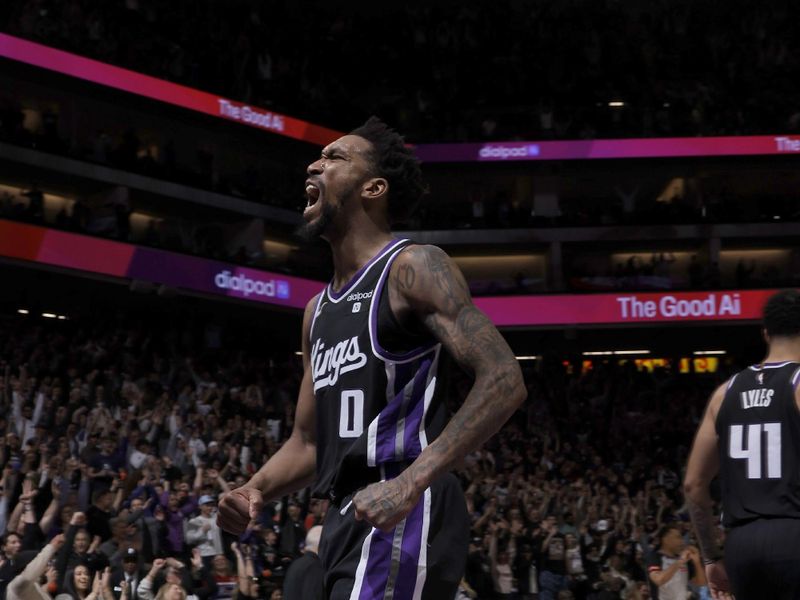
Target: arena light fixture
(49, 315)
(62, 317)
(530, 357)
(23, 311)
(709, 352)
(616, 104)
(615, 352)
(299, 353)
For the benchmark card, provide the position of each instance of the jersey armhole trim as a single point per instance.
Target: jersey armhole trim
(724, 398)
(377, 349)
(730, 382)
(795, 380)
(322, 295)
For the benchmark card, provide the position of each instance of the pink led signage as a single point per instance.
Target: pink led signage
(84, 253)
(158, 89)
(599, 149)
(596, 309)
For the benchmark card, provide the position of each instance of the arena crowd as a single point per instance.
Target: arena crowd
(120, 438)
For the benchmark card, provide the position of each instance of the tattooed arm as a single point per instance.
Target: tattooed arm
(426, 287)
(702, 468)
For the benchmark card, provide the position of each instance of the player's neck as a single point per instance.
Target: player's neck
(783, 350)
(355, 249)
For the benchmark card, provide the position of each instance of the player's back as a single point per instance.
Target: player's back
(758, 425)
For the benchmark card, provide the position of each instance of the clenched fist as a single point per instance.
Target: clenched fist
(237, 508)
(718, 583)
(383, 505)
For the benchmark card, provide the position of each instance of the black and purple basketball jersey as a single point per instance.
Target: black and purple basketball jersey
(376, 409)
(758, 425)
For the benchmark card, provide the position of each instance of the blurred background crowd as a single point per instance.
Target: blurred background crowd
(120, 434)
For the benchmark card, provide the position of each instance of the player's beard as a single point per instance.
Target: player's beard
(315, 229)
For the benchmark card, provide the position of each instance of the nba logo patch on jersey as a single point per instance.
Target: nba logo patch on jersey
(356, 307)
(759, 377)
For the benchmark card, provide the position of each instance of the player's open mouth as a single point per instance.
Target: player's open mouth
(312, 194)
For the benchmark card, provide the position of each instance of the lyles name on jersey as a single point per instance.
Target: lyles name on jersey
(760, 398)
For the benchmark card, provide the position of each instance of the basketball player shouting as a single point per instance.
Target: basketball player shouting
(371, 430)
(750, 435)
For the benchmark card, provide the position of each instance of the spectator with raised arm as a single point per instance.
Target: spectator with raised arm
(501, 560)
(148, 529)
(78, 548)
(203, 584)
(105, 466)
(14, 559)
(82, 584)
(176, 507)
(672, 566)
(553, 549)
(27, 584)
(145, 591)
(100, 513)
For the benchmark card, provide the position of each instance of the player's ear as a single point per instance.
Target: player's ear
(374, 188)
(765, 335)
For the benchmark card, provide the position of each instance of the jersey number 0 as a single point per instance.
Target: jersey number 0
(755, 443)
(351, 414)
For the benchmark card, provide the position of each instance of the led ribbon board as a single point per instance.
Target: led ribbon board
(84, 253)
(192, 99)
(609, 149)
(632, 308)
(164, 91)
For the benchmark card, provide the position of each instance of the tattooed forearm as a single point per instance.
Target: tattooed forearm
(436, 292)
(450, 284)
(489, 404)
(705, 530)
(473, 340)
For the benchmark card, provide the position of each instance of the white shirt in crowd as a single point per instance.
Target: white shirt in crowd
(207, 539)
